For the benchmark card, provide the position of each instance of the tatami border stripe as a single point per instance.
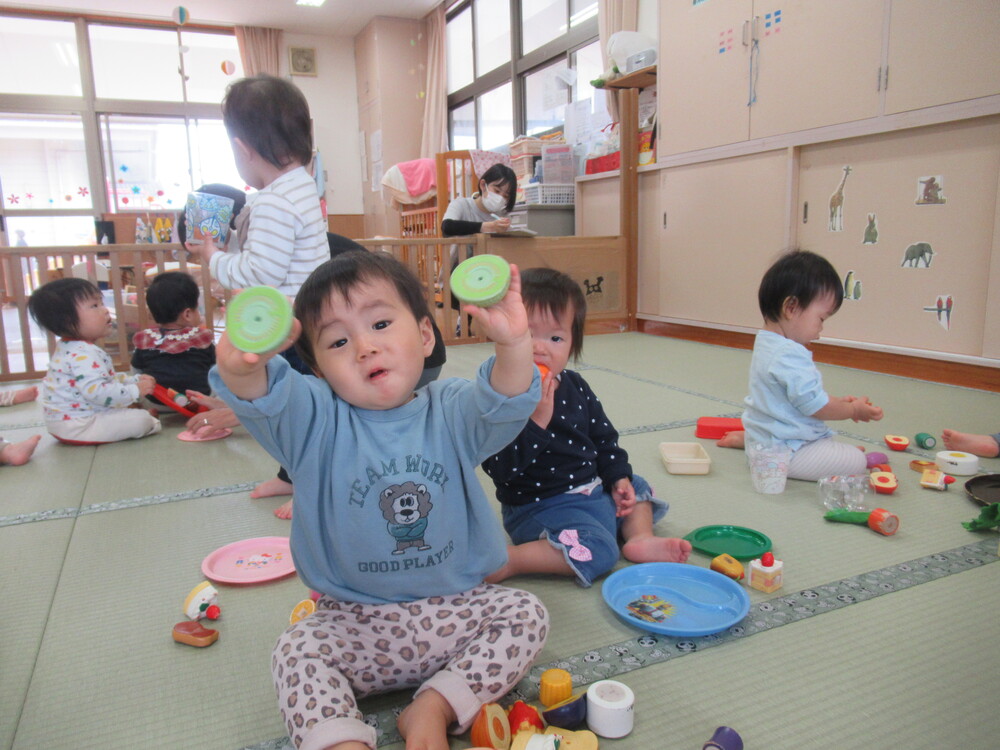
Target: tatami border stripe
(649, 648)
(134, 502)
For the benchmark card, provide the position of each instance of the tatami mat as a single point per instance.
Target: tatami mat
(90, 598)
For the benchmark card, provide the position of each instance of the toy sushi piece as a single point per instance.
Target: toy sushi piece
(879, 520)
(481, 280)
(259, 319)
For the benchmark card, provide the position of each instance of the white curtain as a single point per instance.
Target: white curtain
(260, 49)
(435, 133)
(614, 16)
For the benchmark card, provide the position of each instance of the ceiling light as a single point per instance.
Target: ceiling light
(310, 3)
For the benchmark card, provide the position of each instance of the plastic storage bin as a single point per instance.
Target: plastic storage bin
(537, 192)
(685, 458)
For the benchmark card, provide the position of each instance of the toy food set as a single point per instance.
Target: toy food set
(192, 633)
(897, 442)
(203, 601)
(958, 462)
(934, 479)
(728, 566)
(879, 520)
(883, 482)
(766, 573)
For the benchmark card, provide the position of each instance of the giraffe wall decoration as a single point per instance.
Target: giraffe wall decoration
(837, 204)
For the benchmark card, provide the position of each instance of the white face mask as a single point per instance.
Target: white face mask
(494, 202)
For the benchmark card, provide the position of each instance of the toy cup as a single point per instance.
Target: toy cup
(768, 467)
(208, 215)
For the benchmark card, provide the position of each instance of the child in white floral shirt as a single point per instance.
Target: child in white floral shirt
(84, 399)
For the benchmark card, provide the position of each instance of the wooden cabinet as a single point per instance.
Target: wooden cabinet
(732, 70)
(942, 52)
(725, 223)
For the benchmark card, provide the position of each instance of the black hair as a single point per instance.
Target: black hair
(552, 291)
(343, 274)
(801, 276)
(216, 188)
(270, 115)
(170, 294)
(505, 176)
(53, 305)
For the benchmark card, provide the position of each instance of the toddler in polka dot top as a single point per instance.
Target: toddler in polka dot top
(566, 486)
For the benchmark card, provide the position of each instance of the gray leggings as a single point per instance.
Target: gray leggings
(470, 647)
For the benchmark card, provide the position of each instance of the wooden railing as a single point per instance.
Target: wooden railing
(597, 263)
(126, 269)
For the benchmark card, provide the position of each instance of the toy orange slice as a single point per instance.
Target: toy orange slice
(303, 609)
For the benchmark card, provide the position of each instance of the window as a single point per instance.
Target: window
(514, 65)
(50, 46)
(72, 148)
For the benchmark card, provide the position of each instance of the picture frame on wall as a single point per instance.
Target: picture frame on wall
(302, 61)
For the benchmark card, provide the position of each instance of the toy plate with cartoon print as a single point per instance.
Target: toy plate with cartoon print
(250, 561)
(675, 599)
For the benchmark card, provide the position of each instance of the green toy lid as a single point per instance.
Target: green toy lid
(482, 280)
(258, 319)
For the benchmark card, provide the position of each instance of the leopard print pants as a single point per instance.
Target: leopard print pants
(471, 647)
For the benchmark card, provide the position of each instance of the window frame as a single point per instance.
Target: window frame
(519, 65)
(90, 109)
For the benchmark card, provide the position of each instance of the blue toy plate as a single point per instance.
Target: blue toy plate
(675, 599)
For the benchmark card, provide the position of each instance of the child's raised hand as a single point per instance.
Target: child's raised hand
(237, 362)
(204, 250)
(623, 493)
(506, 322)
(146, 384)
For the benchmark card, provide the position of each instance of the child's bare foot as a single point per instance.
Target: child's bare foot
(424, 723)
(979, 445)
(18, 454)
(284, 511)
(734, 439)
(271, 488)
(640, 549)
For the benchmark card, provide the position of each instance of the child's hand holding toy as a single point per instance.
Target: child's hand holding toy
(146, 385)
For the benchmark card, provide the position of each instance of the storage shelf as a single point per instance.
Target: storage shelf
(637, 79)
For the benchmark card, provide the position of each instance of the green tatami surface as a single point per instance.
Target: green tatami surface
(103, 544)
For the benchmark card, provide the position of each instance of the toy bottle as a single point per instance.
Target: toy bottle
(844, 491)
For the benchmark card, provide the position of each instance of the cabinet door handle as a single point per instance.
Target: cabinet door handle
(746, 36)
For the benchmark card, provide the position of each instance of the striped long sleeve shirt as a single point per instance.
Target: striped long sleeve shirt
(282, 240)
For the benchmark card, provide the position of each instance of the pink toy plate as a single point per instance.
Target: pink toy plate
(250, 561)
(190, 437)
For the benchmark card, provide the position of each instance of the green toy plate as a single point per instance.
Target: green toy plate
(737, 541)
(481, 280)
(259, 319)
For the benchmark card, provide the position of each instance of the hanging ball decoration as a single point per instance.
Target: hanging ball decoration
(180, 15)
(228, 67)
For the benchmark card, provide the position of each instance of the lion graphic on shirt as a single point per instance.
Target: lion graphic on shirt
(405, 507)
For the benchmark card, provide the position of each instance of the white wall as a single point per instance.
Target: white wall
(333, 102)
